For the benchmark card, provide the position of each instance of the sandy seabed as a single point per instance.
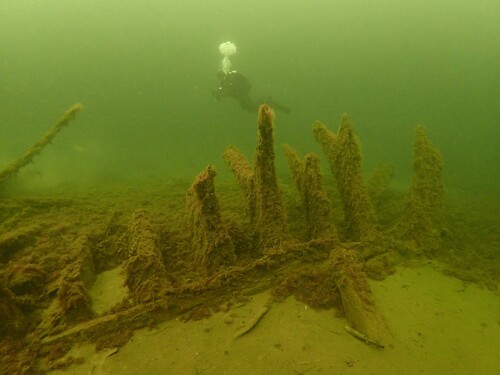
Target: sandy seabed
(440, 325)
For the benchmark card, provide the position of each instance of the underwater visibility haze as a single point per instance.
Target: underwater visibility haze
(249, 186)
(144, 71)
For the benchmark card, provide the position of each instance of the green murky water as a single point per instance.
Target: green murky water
(144, 70)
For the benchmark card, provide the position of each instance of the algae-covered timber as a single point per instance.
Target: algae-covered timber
(181, 256)
(12, 169)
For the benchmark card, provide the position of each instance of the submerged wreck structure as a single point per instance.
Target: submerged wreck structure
(344, 157)
(423, 220)
(260, 186)
(13, 169)
(185, 259)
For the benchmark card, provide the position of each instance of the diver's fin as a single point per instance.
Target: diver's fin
(277, 106)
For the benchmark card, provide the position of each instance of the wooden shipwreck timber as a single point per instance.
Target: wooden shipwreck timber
(181, 255)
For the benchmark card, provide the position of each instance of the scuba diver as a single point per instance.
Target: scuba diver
(235, 85)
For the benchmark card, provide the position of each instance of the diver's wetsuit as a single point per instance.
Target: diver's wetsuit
(235, 85)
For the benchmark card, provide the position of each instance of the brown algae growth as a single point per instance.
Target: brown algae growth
(186, 252)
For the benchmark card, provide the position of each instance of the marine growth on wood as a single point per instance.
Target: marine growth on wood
(260, 186)
(344, 157)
